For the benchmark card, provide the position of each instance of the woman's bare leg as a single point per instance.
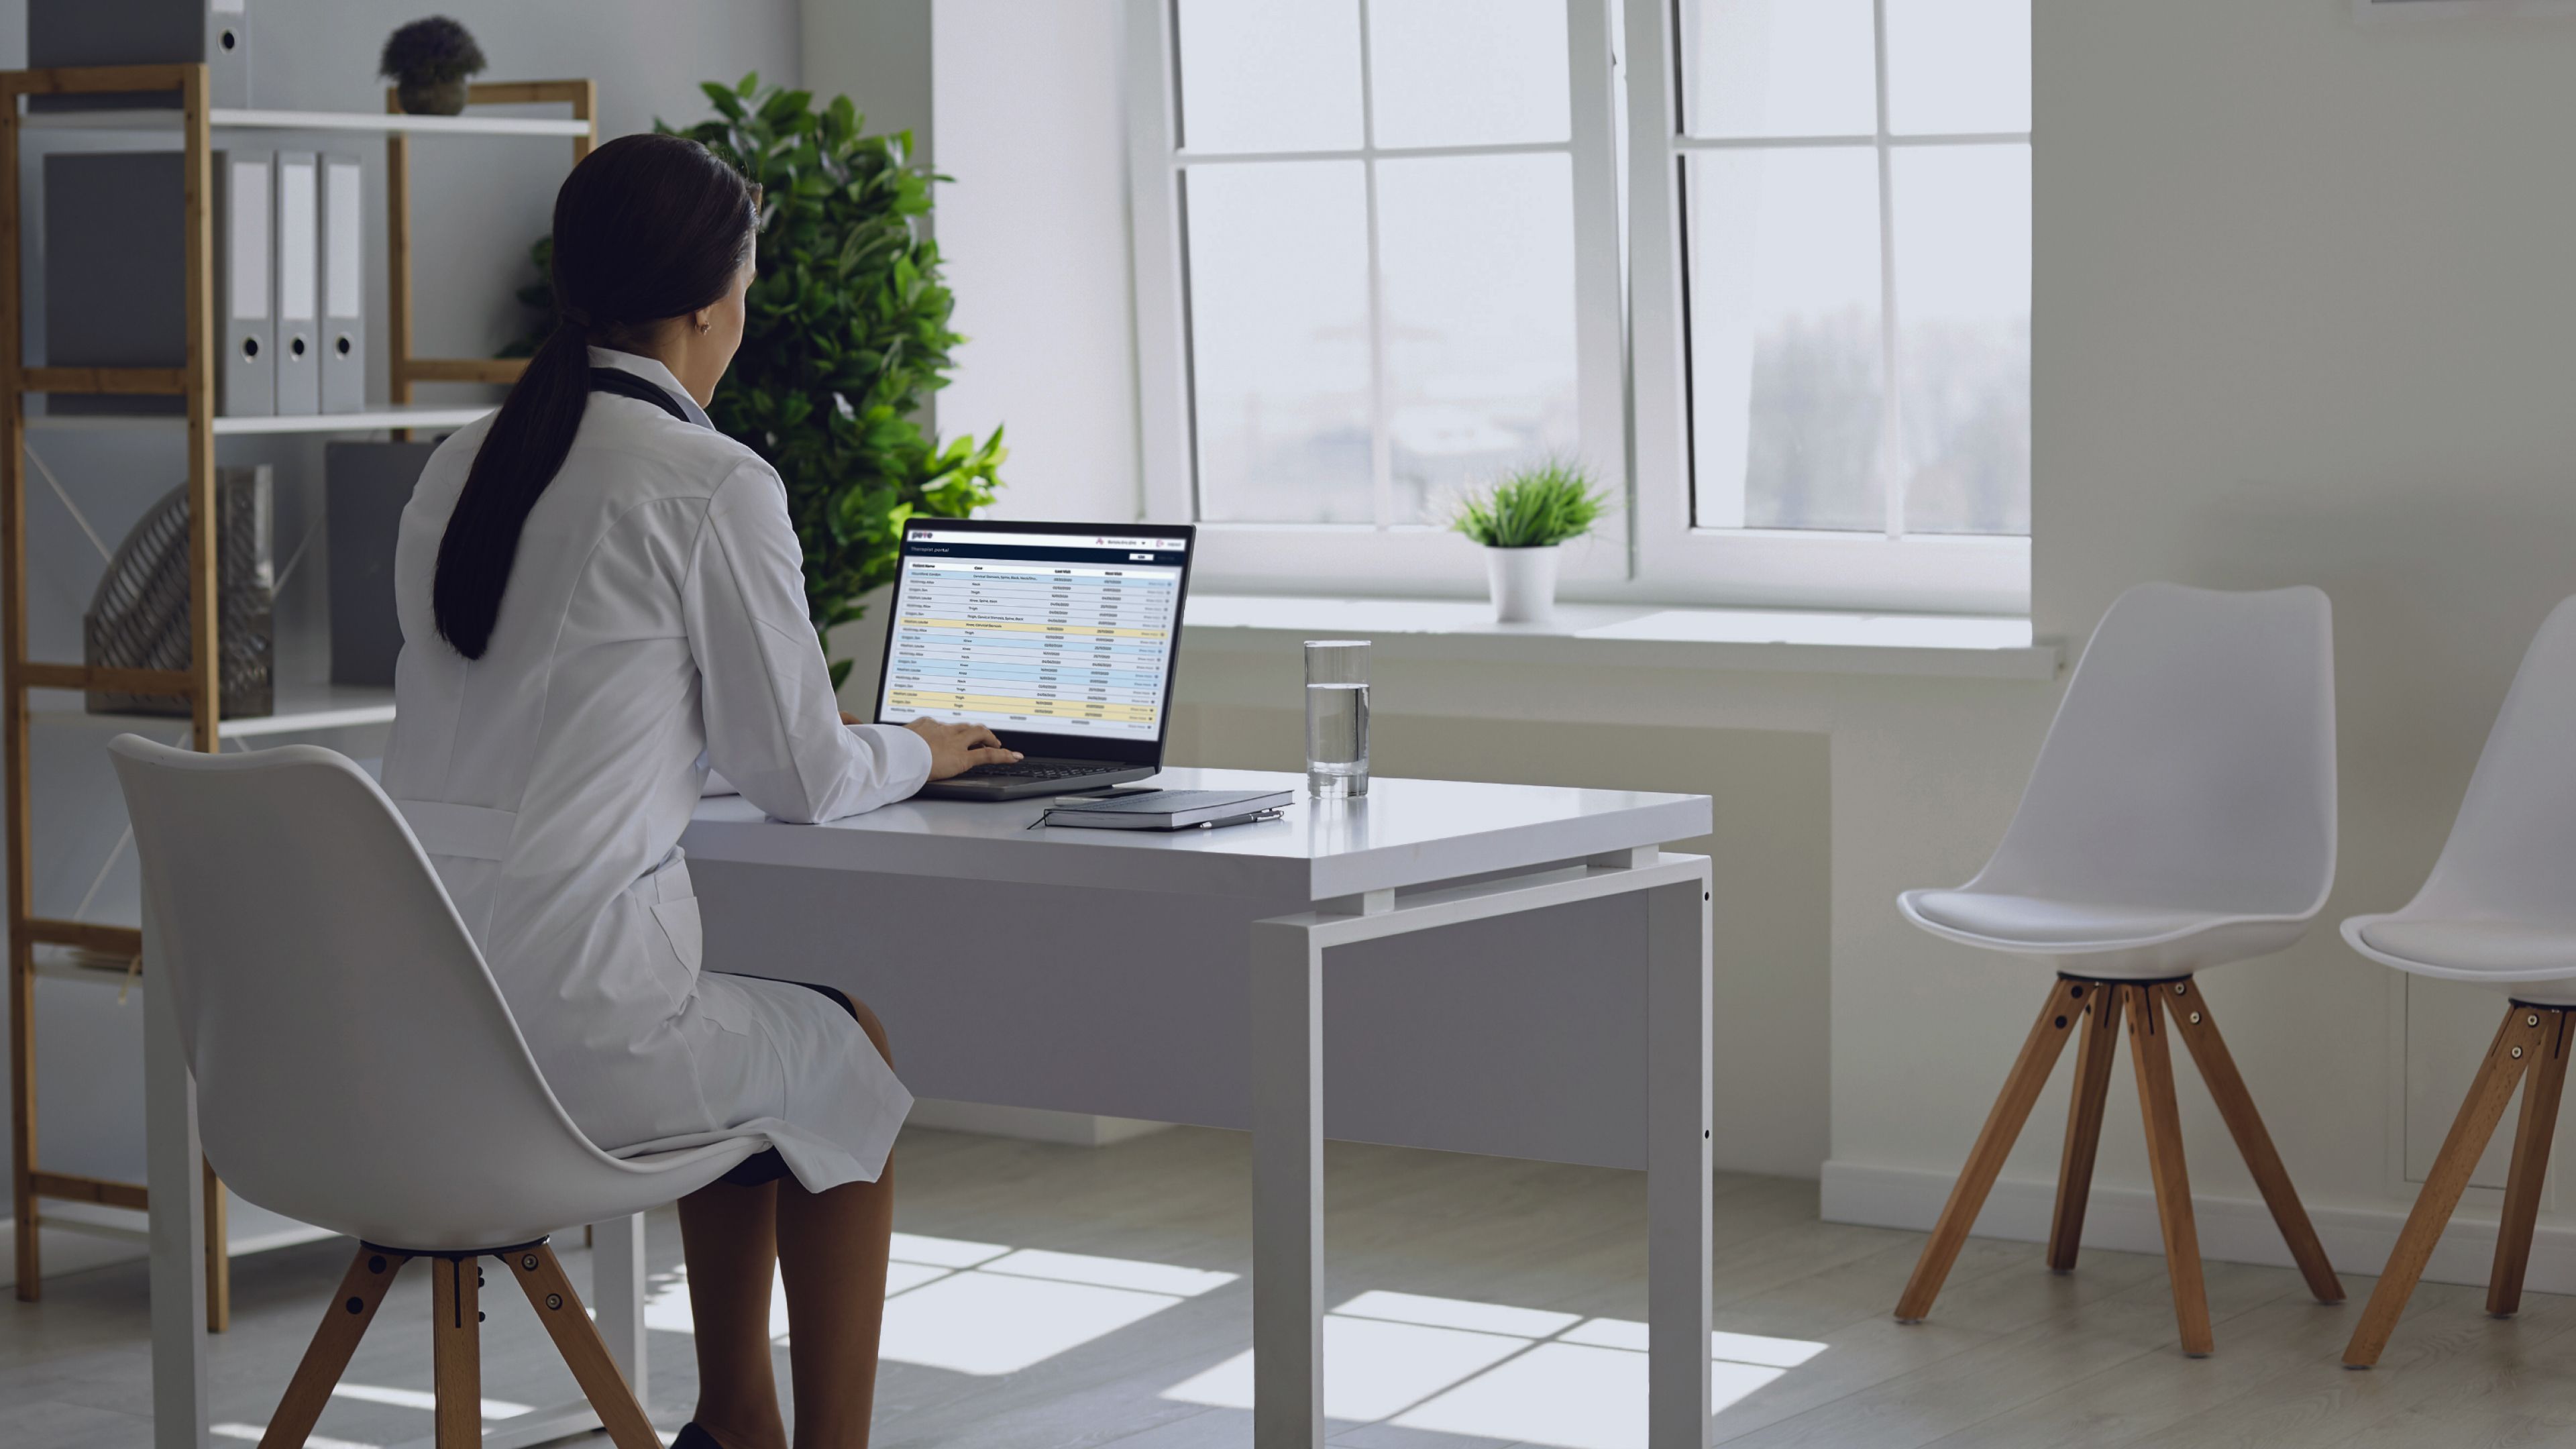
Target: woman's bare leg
(730, 1235)
(832, 1252)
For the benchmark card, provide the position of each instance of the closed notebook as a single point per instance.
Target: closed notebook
(1168, 809)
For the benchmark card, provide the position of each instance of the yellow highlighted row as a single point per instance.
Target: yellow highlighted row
(1036, 628)
(1002, 704)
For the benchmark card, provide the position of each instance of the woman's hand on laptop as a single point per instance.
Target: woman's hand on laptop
(957, 748)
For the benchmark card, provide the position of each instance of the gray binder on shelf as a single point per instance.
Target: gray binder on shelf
(365, 488)
(245, 297)
(142, 32)
(116, 274)
(344, 287)
(298, 248)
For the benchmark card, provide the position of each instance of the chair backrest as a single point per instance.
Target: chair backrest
(356, 1066)
(2192, 762)
(2512, 851)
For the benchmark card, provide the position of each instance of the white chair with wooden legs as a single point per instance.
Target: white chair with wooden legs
(357, 1068)
(2181, 816)
(2499, 909)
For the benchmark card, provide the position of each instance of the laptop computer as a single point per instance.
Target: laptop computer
(1061, 637)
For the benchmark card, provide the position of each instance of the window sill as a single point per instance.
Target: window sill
(1640, 636)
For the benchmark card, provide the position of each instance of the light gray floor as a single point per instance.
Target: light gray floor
(2013, 1356)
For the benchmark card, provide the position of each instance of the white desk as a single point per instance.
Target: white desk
(1500, 969)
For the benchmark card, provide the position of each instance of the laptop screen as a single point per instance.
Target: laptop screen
(1038, 630)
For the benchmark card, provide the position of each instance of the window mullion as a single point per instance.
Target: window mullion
(1167, 451)
(1600, 329)
(1891, 417)
(1381, 445)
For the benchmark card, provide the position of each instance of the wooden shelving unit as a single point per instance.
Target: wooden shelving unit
(194, 122)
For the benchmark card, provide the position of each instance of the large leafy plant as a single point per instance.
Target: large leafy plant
(847, 336)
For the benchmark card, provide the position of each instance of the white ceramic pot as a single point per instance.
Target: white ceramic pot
(1523, 582)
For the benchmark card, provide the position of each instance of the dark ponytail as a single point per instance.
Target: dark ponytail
(647, 228)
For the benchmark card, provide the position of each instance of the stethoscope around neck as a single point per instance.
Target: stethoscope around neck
(627, 384)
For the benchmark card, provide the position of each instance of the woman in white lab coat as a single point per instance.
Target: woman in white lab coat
(601, 599)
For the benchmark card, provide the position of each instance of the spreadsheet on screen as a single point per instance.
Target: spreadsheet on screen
(1067, 633)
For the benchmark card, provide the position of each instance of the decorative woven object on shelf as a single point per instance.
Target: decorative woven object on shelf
(138, 618)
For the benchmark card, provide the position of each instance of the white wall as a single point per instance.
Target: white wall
(2301, 316)
(1044, 306)
(876, 52)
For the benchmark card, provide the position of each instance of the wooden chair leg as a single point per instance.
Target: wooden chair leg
(2189, 1012)
(559, 1308)
(2039, 1052)
(219, 1252)
(456, 1351)
(2541, 1090)
(345, 1322)
(2515, 1043)
(2093, 1059)
(2149, 1053)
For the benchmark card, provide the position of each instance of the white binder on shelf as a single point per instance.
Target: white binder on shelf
(299, 284)
(342, 244)
(245, 267)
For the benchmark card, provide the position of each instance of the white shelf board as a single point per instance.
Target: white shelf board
(375, 419)
(300, 708)
(53, 963)
(248, 1227)
(153, 118)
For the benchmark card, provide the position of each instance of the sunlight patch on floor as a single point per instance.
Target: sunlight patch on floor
(1374, 1368)
(986, 1308)
(420, 1399)
(1524, 1375)
(253, 1432)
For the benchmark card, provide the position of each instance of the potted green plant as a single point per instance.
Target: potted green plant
(429, 62)
(1522, 521)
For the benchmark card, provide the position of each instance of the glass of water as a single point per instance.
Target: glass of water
(1337, 718)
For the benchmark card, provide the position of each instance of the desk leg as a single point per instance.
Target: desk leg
(1288, 1189)
(1677, 1164)
(617, 1297)
(178, 1234)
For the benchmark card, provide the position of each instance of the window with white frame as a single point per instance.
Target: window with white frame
(1772, 285)
(1377, 218)
(1856, 184)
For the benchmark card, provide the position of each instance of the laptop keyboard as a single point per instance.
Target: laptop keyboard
(1030, 770)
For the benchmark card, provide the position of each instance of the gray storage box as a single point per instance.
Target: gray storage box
(366, 487)
(142, 32)
(116, 286)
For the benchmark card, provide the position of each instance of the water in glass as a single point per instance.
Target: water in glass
(1337, 756)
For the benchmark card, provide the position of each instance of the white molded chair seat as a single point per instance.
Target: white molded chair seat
(2138, 942)
(2498, 909)
(2531, 961)
(2181, 815)
(357, 1068)
(356, 1065)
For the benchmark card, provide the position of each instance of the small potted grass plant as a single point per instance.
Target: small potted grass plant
(429, 62)
(1522, 520)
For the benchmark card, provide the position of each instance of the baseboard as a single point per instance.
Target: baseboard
(2357, 1239)
(1029, 1124)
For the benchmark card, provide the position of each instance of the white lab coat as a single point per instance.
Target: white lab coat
(654, 626)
